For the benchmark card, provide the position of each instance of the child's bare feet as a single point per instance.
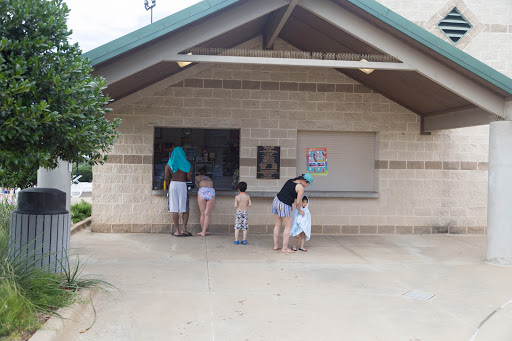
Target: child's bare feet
(276, 248)
(201, 234)
(287, 251)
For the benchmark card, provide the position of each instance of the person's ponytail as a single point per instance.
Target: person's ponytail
(300, 177)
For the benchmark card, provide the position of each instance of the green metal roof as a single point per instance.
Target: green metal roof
(155, 30)
(434, 43)
(207, 7)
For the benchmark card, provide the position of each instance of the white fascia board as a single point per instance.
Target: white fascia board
(342, 64)
(277, 23)
(425, 65)
(195, 35)
(456, 118)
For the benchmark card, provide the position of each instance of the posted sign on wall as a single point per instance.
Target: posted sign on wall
(316, 161)
(269, 162)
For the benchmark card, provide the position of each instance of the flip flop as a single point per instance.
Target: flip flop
(186, 234)
(303, 250)
(294, 248)
(178, 235)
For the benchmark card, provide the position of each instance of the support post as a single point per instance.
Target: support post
(59, 178)
(499, 212)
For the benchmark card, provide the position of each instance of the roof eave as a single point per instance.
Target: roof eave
(434, 43)
(155, 30)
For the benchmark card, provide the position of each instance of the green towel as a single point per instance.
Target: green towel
(179, 161)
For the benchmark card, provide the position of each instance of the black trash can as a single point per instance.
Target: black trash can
(40, 229)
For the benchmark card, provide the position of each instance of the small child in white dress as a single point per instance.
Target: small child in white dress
(301, 226)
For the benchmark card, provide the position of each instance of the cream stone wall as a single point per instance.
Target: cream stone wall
(427, 183)
(490, 40)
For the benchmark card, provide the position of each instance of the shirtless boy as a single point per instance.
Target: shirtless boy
(242, 203)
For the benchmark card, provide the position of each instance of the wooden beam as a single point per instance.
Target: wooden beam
(393, 45)
(180, 76)
(456, 118)
(276, 24)
(341, 64)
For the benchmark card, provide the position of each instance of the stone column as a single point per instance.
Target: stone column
(59, 178)
(499, 207)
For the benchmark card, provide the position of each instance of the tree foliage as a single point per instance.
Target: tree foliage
(51, 107)
(18, 177)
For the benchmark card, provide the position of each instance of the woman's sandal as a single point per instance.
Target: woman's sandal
(304, 250)
(294, 248)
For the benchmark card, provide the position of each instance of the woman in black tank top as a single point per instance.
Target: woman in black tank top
(282, 208)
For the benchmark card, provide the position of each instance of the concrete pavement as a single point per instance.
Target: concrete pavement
(348, 287)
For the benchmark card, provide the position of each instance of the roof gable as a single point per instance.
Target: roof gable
(384, 15)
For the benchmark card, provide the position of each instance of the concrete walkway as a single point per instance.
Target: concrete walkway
(344, 288)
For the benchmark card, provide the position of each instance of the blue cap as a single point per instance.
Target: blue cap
(309, 178)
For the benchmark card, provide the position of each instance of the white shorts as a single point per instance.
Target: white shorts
(178, 197)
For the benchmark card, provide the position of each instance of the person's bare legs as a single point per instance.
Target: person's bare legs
(176, 222)
(295, 240)
(236, 235)
(201, 202)
(245, 234)
(279, 222)
(286, 234)
(207, 213)
(302, 241)
(184, 218)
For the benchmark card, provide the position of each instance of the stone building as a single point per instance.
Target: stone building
(400, 105)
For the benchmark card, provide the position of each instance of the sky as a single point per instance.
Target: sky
(96, 22)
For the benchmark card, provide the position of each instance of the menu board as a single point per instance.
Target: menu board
(269, 162)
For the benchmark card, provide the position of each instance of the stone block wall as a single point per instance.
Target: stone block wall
(427, 183)
(490, 39)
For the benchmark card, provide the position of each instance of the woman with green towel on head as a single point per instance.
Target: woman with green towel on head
(177, 173)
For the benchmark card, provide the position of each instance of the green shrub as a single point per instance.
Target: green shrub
(16, 311)
(80, 211)
(26, 291)
(85, 170)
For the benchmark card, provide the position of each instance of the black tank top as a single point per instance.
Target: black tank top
(288, 194)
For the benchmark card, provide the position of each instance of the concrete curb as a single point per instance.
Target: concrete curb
(53, 329)
(81, 225)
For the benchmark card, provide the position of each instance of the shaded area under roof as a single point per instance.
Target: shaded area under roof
(307, 31)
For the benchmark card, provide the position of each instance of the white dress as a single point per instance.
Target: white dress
(301, 223)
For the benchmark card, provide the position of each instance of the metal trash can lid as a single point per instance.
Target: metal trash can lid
(41, 201)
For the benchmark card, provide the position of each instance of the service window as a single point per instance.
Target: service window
(217, 149)
(339, 161)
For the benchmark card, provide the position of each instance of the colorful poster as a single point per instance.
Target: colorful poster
(316, 161)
